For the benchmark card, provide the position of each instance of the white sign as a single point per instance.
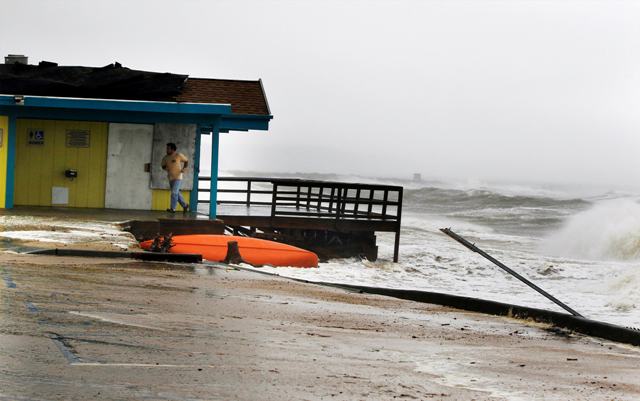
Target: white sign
(59, 195)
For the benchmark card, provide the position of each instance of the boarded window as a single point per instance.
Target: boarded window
(78, 138)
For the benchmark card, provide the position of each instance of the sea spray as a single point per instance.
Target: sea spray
(610, 230)
(625, 290)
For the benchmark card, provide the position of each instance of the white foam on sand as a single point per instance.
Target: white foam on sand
(59, 231)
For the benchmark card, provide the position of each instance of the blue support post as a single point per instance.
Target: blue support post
(215, 146)
(193, 200)
(12, 143)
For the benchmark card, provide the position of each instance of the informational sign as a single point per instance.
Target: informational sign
(59, 195)
(78, 138)
(36, 137)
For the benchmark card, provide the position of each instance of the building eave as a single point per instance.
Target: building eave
(27, 101)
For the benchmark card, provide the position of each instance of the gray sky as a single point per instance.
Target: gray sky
(483, 90)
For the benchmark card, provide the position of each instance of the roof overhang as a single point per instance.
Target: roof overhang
(238, 122)
(114, 105)
(129, 111)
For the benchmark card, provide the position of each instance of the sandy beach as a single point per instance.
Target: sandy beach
(75, 328)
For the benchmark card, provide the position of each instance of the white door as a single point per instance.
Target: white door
(128, 151)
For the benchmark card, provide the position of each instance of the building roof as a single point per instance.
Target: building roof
(117, 82)
(245, 97)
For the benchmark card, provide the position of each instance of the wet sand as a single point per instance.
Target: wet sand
(78, 329)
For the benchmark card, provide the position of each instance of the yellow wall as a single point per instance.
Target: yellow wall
(161, 199)
(41, 167)
(4, 127)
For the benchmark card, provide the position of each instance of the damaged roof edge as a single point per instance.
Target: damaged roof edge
(115, 82)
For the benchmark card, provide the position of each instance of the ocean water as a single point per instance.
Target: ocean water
(582, 247)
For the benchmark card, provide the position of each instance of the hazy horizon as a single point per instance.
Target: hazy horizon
(513, 91)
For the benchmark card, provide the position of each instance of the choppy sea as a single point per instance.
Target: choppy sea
(582, 246)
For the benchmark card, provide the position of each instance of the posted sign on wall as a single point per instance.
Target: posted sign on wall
(36, 137)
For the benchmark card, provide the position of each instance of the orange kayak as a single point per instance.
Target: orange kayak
(253, 250)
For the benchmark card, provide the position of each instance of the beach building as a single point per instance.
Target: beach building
(87, 137)
(90, 138)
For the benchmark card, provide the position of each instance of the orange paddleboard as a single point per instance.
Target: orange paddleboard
(253, 250)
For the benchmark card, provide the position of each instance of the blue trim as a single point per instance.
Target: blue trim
(116, 105)
(193, 200)
(245, 123)
(215, 150)
(106, 116)
(11, 162)
(229, 123)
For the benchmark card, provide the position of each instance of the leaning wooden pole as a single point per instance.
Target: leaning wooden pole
(496, 262)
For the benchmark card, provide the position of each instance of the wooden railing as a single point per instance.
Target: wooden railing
(311, 198)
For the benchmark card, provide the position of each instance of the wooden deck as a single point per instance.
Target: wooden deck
(335, 219)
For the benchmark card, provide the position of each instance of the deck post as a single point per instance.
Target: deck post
(193, 200)
(396, 245)
(357, 203)
(248, 193)
(385, 198)
(320, 194)
(11, 144)
(274, 199)
(372, 193)
(333, 192)
(215, 147)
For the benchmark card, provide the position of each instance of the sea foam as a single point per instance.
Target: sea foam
(609, 230)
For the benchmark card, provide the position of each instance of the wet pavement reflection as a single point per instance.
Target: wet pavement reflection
(84, 329)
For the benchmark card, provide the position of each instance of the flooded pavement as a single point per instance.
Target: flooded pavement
(78, 329)
(31, 227)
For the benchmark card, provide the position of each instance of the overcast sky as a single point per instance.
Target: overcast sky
(545, 91)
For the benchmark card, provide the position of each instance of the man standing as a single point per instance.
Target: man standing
(175, 163)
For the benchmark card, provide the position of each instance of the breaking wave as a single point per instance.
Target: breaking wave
(610, 230)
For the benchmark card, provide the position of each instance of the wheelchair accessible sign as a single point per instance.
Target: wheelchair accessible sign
(36, 137)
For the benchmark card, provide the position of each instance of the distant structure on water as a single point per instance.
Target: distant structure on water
(417, 177)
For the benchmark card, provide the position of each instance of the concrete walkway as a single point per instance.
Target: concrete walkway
(80, 329)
